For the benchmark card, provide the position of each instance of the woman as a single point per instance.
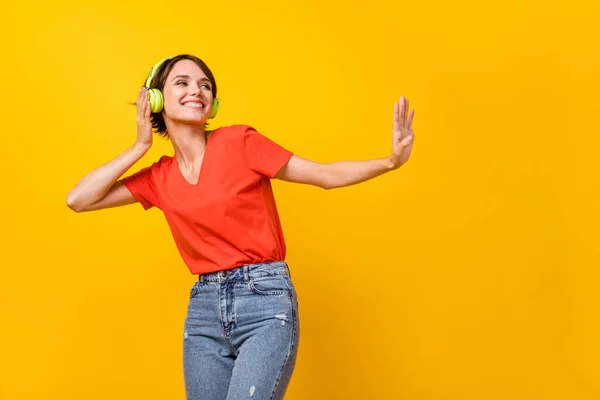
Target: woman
(241, 332)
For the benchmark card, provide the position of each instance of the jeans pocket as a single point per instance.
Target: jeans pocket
(194, 290)
(270, 285)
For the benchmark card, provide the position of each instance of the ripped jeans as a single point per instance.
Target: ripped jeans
(241, 334)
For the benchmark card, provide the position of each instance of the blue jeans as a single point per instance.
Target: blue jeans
(241, 334)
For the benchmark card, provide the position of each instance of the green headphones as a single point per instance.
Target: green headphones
(157, 101)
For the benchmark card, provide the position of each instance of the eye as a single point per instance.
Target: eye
(178, 82)
(206, 85)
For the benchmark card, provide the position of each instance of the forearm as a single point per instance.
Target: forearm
(94, 186)
(346, 173)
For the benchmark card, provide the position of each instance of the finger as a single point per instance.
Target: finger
(148, 109)
(396, 117)
(140, 103)
(146, 99)
(402, 111)
(410, 119)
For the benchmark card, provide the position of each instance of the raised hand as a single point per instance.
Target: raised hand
(403, 135)
(144, 124)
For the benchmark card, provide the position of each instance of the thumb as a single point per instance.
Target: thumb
(406, 141)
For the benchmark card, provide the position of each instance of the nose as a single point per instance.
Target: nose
(197, 91)
(194, 89)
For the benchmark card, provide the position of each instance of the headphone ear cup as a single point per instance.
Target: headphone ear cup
(156, 100)
(214, 108)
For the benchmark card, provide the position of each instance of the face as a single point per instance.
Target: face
(187, 93)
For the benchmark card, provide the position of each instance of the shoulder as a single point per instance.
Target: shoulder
(162, 162)
(233, 130)
(160, 165)
(232, 136)
(165, 159)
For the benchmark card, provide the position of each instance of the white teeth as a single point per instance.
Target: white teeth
(193, 104)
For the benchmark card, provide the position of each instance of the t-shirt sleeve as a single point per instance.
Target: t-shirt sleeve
(263, 155)
(142, 186)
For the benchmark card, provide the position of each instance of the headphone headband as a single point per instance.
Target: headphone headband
(154, 69)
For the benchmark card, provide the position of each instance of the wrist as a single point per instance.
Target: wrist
(389, 164)
(141, 147)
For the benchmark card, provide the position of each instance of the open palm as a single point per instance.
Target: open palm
(403, 135)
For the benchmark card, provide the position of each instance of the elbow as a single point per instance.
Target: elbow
(74, 207)
(326, 184)
(326, 180)
(73, 204)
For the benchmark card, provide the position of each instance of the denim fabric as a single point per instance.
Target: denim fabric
(241, 334)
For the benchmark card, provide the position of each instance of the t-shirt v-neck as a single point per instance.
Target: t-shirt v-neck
(178, 169)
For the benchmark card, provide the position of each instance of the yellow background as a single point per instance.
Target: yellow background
(470, 273)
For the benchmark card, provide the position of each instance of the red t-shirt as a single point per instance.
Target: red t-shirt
(229, 218)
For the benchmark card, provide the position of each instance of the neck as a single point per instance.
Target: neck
(189, 143)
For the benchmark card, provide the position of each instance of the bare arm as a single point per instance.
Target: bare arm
(346, 173)
(332, 175)
(100, 187)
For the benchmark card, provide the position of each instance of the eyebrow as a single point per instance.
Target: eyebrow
(188, 77)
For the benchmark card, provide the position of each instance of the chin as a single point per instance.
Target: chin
(190, 121)
(195, 122)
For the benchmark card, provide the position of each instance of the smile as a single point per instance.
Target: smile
(193, 104)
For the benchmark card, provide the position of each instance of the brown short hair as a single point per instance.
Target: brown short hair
(159, 79)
